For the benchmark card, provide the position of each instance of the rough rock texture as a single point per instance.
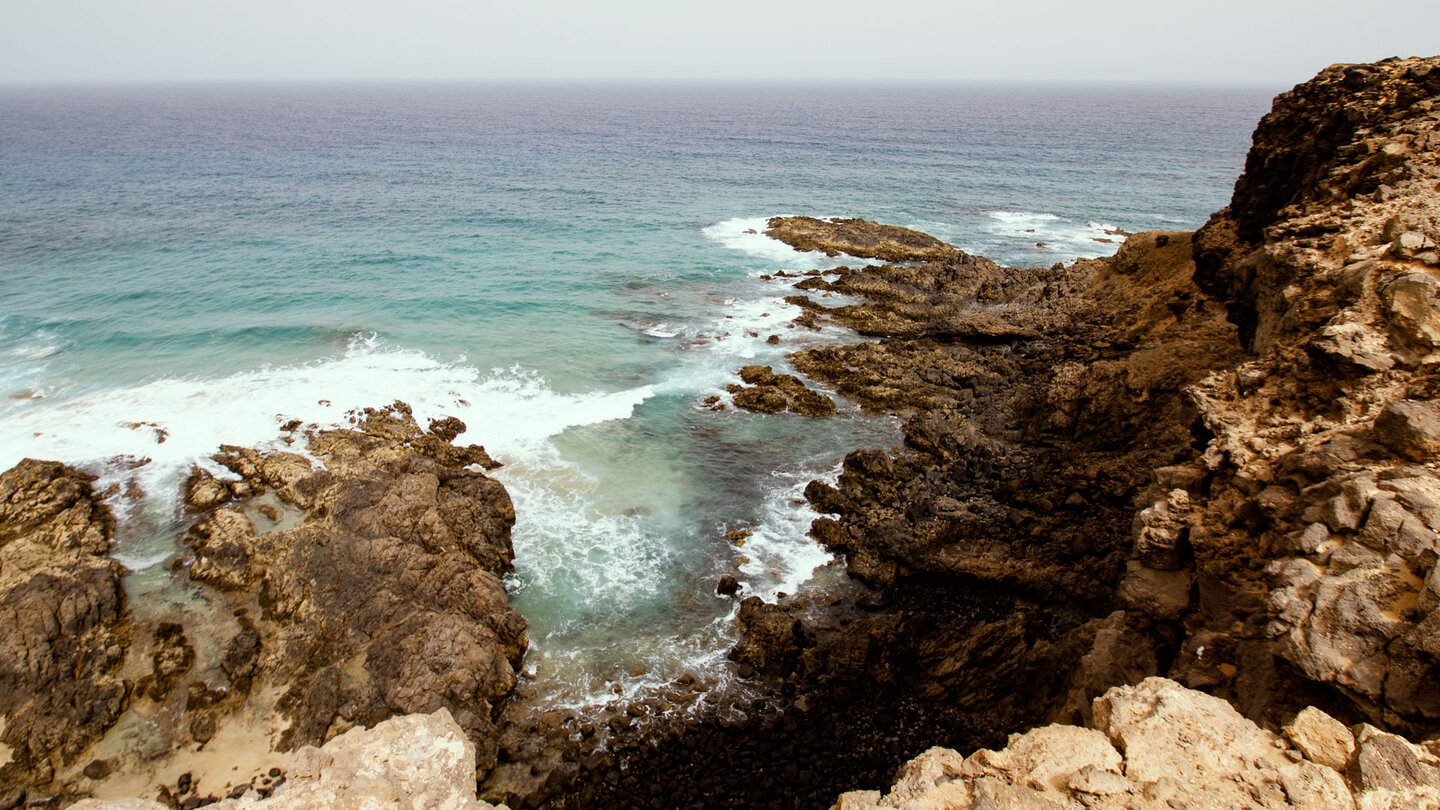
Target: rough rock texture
(419, 761)
(1315, 540)
(386, 598)
(857, 237)
(1208, 458)
(768, 392)
(1158, 745)
(63, 633)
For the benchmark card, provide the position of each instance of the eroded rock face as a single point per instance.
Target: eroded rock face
(419, 760)
(1316, 532)
(1158, 744)
(63, 632)
(387, 597)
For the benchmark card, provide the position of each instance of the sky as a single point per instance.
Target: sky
(1260, 42)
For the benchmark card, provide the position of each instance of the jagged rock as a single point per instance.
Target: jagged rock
(1321, 738)
(1411, 428)
(203, 492)
(1162, 594)
(771, 639)
(62, 608)
(415, 761)
(769, 392)
(397, 566)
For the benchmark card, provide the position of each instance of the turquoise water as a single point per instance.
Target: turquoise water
(565, 268)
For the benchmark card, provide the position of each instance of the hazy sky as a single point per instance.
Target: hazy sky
(1268, 42)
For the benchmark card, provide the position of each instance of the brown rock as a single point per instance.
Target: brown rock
(773, 393)
(397, 564)
(857, 237)
(1410, 428)
(1321, 738)
(62, 607)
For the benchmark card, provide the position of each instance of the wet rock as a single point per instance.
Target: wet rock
(771, 639)
(769, 392)
(172, 657)
(397, 564)
(203, 492)
(728, 586)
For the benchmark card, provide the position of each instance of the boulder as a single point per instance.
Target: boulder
(1410, 428)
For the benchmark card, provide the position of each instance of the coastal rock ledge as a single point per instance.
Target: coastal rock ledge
(1160, 745)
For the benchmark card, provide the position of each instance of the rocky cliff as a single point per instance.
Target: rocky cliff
(1210, 457)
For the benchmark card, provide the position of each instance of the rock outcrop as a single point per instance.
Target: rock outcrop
(321, 592)
(419, 760)
(386, 598)
(767, 392)
(1210, 458)
(63, 629)
(857, 237)
(1314, 538)
(1158, 745)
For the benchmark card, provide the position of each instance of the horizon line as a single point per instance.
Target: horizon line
(639, 81)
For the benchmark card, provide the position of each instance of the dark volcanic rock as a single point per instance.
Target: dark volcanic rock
(62, 613)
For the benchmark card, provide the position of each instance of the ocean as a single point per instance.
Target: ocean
(570, 269)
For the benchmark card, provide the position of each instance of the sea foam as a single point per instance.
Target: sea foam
(176, 422)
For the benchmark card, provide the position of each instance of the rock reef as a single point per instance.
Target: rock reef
(63, 629)
(1226, 438)
(767, 392)
(856, 237)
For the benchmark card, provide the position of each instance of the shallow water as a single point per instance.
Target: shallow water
(565, 268)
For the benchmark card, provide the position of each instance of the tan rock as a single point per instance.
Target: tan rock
(1321, 738)
(419, 761)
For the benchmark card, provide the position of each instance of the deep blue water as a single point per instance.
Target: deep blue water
(558, 265)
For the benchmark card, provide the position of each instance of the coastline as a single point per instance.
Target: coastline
(1193, 459)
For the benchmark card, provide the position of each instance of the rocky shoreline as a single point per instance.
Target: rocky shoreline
(1206, 463)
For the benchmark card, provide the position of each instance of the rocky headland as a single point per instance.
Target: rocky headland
(1210, 457)
(1169, 518)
